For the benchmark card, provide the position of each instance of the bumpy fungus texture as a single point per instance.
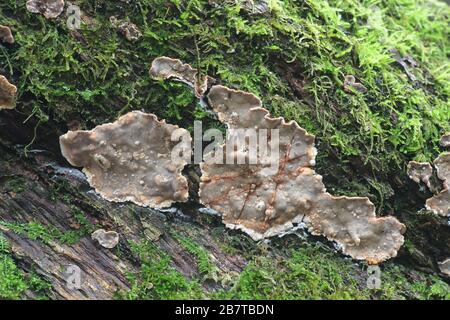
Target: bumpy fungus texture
(166, 68)
(420, 171)
(264, 202)
(6, 35)
(51, 9)
(129, 30)
(130, 160)
(107, 239)
(8, 94)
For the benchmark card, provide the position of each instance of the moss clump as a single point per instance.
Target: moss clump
(204, 264)
(36, 231)
(13, 281)
(314, 272)
(306, 273)
(157, 279)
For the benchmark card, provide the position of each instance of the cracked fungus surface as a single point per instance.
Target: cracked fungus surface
(130, 160)
(265, 203)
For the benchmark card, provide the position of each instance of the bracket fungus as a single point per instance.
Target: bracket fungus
(8, 94)
(264, 202)
(439, 203)
(166, 68)
(131, 160)
(6, 35)
(107, 239)
(420, 171)
(51, 9)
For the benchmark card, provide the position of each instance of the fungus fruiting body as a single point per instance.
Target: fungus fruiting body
(130, 160)
(6, 35)
(107, 239)
(51, 9)
(166, 68)
(440, 202)
(8, 94)
(420, 171)
(264, 202)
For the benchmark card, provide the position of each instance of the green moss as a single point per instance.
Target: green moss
(36, 231)
(16, 185)
(205, 266)
(307, 273)
(398, 284)
(13, 281)
(157, 279)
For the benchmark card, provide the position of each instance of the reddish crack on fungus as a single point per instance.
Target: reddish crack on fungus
(130, 160)
(8, 94)
(6, 35)
(51, 9)
(264, 202)
(166, 68)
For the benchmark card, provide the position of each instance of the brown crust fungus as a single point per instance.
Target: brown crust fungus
(51, 9)
(280, 190)
(130, 160)
(8, 93)
(6, 35)
(267, 204)
(166, 68)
